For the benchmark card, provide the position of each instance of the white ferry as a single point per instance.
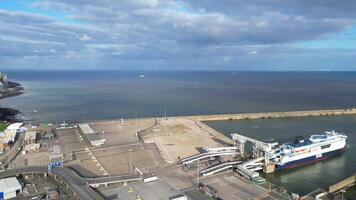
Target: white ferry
(306, 151)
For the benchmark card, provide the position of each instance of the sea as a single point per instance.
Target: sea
(85, 95)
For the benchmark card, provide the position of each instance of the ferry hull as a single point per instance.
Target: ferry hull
(308, 160)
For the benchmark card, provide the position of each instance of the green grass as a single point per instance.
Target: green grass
(2, 126)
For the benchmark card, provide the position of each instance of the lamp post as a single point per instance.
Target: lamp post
(130, 160)
(342, 193)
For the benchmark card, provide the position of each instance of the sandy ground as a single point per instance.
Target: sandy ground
(117, 133)
(182, 137)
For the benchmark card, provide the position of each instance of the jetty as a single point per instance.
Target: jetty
(270, 115)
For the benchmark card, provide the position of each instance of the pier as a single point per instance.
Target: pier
(344, 184)
(269, 115)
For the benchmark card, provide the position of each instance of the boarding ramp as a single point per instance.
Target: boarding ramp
(259, 148)
(218, 168)
(219, 149)
(254, 164)
(249, 168)
(210, 153)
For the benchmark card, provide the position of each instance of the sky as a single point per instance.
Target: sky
(178, 34)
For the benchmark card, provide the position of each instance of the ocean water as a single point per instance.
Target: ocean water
(303, 179)
(52, 96)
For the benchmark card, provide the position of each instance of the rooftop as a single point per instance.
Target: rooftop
(86, 129)
(9, 185)
(30, 135)
(14, 126)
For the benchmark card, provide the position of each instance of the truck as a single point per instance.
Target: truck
(150, 179)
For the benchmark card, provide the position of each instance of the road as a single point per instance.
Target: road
(8, 156)
(77, 183)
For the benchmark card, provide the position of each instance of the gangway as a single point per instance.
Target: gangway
(259, 148)
(218, 168)
(249, 168)
(194, 158)
(219, 149)
(210, 152)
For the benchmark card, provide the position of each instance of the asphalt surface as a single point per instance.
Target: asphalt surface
(8, 156)
(77, 183)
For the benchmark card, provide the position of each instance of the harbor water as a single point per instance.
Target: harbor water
(303, 179)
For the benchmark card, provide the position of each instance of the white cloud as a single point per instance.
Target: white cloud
(168, 32)
(253, 52)
(84, 37)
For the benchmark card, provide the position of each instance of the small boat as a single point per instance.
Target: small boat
(142, 76)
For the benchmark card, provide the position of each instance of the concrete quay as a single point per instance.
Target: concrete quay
(268, 115)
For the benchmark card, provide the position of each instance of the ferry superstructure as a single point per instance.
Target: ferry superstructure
(305, 151)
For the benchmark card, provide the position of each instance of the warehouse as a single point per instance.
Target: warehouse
(30, 137)
(9, 187)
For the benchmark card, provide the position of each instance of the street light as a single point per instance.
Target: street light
(342, 193)
(130, 151)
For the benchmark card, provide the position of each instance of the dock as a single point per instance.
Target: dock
(269, 115)
(334, 190)
(344, 184)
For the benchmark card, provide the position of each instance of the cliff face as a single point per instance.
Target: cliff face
(4, 84)
(8, 89)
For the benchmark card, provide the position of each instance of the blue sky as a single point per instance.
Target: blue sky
(178, 35)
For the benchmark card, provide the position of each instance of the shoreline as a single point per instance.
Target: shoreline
(7, 113)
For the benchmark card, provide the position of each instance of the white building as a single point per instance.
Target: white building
(9, 187)
(15, 126)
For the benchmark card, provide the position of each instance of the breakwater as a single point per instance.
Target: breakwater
(270, 115)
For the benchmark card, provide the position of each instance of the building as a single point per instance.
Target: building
(6, 138)
(15, 126)
(9, 187)
(52, 194)
(10, 133)
(49, 135)
(31, 137)
(91, 135)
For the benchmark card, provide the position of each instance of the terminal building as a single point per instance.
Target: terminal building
(9, 188)
(92, 136)
(9, 134)
(31, 139)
